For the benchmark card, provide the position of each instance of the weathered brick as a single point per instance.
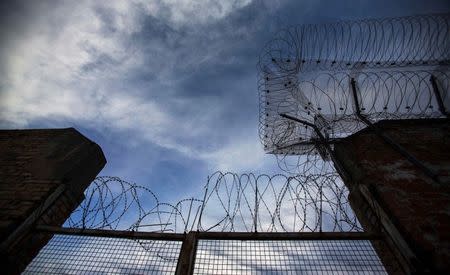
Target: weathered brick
(417, 205)
(34, 163)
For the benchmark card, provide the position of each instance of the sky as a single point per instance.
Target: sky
(167, 88)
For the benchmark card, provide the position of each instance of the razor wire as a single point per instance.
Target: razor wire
(327, 100)
(115, 204)
(276, 203)
(324, 76)
(231, 202)
(372, 43)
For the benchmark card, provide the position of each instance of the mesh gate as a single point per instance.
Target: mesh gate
(93, 252)
(70, 254)
(287, 257)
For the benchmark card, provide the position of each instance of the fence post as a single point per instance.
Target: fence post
(199, 223)
(256, 205)
(321, 211)
(186, 259)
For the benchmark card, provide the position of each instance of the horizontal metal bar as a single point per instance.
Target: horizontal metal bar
(304, 122)
(111, 233)
(211, 235)
(287, 236)
(312, 142)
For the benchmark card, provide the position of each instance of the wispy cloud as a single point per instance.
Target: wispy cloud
(118, 66)
(176, 75)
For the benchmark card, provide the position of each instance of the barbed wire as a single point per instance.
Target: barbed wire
(112, 203)
(327, 100)
(373, 43)
(231, 202)
(277, 203)
(321, 78)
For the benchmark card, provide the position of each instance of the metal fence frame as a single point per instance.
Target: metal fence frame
(187, 256)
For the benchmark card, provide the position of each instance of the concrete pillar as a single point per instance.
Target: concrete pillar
(392, 195)
(43, 174)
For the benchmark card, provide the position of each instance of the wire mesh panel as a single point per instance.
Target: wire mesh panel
(287, 257)
(67, 254)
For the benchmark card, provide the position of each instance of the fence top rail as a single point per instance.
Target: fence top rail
(111, 233)
(278, 236)
(211, 235)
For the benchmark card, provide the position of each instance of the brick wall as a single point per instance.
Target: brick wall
(42, 178)
(413, 210)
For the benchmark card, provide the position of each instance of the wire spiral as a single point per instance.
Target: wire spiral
(112, 203)
(277, 203)
(231, 202)
(326, 100)
(374, 43)
(400, 68)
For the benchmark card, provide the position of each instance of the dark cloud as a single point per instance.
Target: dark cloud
(201, 74)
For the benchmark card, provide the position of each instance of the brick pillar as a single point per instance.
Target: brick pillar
(391, 194)
(43, 174)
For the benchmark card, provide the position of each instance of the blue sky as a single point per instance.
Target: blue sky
(166, 88)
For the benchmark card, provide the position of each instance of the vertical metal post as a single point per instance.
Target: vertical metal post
(321, 212)
(355, 97)
(438, 96)
(189, 216)
(186, 259)
(256, 206)
(199, 223)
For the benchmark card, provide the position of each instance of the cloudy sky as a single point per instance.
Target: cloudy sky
(167, 88)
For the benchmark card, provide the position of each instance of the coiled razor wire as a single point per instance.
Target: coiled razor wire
(231, 202)
(327, 75)
(115, 204)
(374, 43)
(327, 101)
(277, 203)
